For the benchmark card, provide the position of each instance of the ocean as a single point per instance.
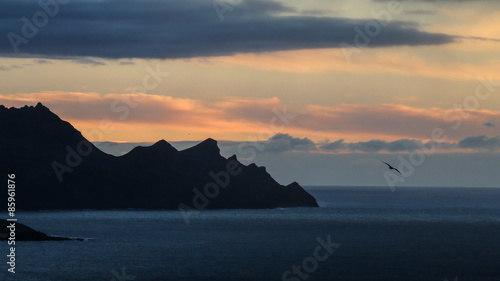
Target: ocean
(358, 233)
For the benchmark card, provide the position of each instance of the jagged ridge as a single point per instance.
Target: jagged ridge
(40, 146)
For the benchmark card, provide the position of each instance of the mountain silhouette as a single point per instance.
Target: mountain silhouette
(57, 168)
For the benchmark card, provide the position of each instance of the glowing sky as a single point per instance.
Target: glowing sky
(189, 70)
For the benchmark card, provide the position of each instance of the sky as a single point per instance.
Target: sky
(317, 91)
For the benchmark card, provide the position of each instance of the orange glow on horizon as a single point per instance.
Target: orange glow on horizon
(157, 117)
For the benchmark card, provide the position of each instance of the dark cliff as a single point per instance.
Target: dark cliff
(57, 168)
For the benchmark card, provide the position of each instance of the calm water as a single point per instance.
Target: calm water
(409, 234)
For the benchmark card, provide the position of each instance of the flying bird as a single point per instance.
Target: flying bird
(391, 167)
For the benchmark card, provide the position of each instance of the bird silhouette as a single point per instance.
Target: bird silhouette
(391, 167)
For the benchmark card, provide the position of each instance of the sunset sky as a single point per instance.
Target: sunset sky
(321, 91)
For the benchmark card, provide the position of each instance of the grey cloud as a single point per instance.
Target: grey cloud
(89, 61)
(183, 29)
(402, 145)
(284, 142)
(410, 145)
(369, 146)
(482, 142)
(42, 61)
(489, 124)
(126, 63)
(334, 146)
(406, 145)
(7, 68)
(276, 144)
(280, 143)
(477, 38)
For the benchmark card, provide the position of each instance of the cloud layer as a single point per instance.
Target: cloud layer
(286, 143)
(267, 116)
(183, 29)
(481, 142)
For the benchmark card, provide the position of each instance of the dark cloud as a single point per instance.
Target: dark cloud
(482, 142)
(184, 29)
(89, 61)
(284, 142)
(402, 145)
(276, 144)
(7, 68)
(42, 61)
(489, 124)
(477, 38)
(369, 146)
(126, 63)
(334, 146)
(280, 143)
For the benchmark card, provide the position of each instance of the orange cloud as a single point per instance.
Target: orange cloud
(146, 117)
(393, 121)
(403, 61)
(152, 117)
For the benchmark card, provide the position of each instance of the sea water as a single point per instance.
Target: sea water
(409, 234)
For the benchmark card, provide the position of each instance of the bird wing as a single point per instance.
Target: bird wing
(397, 170)
(386, 164)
